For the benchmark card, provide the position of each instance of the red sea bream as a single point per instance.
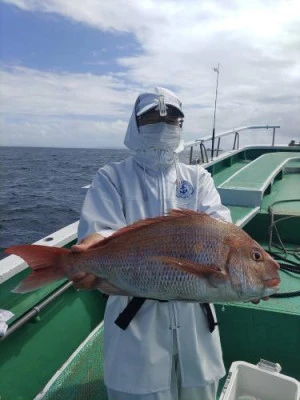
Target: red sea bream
(186, 255)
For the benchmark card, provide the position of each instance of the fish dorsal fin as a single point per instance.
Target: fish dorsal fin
(185, 212)
(135, 226)
(142, 223)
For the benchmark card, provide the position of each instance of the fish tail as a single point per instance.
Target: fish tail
(47, 264)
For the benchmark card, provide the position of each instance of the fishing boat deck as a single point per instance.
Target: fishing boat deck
(259, 331)
(269, 330)
(244, 323)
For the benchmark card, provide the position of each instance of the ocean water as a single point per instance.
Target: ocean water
(41, 189)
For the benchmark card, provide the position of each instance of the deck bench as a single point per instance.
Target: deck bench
(247, 186)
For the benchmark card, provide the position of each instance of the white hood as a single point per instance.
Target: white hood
(145, 101)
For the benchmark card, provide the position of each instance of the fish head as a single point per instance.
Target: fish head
(253, 272)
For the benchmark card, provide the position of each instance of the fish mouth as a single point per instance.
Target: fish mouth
(272, 282)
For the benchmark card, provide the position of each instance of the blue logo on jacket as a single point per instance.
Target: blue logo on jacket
(185, 190)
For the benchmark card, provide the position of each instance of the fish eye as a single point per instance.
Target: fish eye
(257, 256)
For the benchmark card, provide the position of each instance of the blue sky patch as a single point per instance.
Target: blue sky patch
(52, 42)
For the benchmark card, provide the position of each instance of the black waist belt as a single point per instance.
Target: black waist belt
(132, 308)
(129, 312)
(209, 316)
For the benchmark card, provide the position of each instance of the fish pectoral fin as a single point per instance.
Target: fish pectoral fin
(107, 288)
(189, 266)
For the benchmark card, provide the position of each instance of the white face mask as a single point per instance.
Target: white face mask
(161, 136)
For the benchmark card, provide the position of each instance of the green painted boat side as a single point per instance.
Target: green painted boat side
(31, 355)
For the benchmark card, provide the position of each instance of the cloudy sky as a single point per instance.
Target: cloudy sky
(71, 70)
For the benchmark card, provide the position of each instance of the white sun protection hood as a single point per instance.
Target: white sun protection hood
(159, 137)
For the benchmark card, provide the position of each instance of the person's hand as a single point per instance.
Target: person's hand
(256, 301)
(84, 280)
(87, 243)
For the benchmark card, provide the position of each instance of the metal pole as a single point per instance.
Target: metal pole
(36, 310)
(191, 154)
(217, 70)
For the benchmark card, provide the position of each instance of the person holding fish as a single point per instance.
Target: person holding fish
(154, 236)
(167, 351)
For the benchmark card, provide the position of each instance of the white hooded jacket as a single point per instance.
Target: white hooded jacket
(139, 359)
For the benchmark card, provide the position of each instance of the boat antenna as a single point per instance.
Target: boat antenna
(217, 70)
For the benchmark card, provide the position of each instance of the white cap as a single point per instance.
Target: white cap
(161, 97)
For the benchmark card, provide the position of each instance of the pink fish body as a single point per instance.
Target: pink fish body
(185, 256)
